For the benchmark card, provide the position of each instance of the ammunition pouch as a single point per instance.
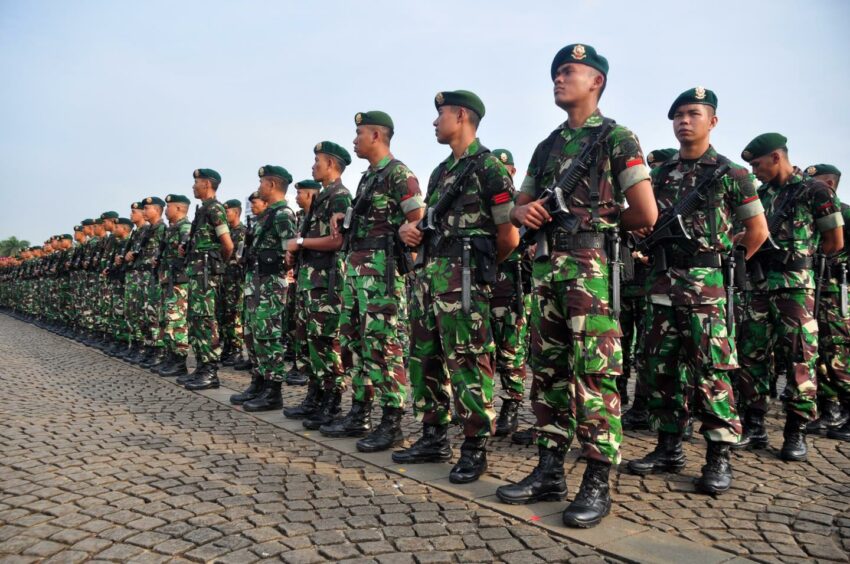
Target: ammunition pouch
(269, 262)
(317, 259)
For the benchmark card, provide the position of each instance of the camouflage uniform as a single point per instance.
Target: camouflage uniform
(575, 339)
(116, 276)
(265, 291)
(369, 324)
(175, 291)
(134, 297)
(451, 351)
(779, 315)
(149, 282)
(232, 287)
(508, 323)
(319, 286)
(686, 313)
(204, 271)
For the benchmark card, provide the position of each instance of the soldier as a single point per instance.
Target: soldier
(115, 274)
(687, 321)
(134, 298)
(90, 280)
(470, 196)
(319, 286)
(509, 325)
(232, 288)
(104, 290)
(258, 207)
(834, 328)
(209, 248)
(147, 261)
(265, 289)
(802, 213)
(174, 284)
(388, 196)
(575, 337)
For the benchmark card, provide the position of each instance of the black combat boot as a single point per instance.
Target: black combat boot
(131, 351)
(243, 364)
(156, 355)
(386, 435)
(432, 446)
(754, 435)
(309, 405)
(840, 433)
(297, 377)
(176, 368)
(545, 483)
(226, 351)
(116, 348)
(667, 456)
(688, 431)
(794, 447)
(593, 501)
(143, 353)
(636, 418)
(524, 437)
(356, 423)
(472, 462)
(161, 357)
(206, 380)
(831, 416)
(623, 389)
(254, 389)
(269, 400)
(200, 370)
(716, 473)
(507, 421)
(326, 412)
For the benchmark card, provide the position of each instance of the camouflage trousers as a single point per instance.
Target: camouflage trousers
(833, 349)
(780, 321)
(299, 333)
(632, 319)
(134, 304)
(265, 305)
(231, 309)
(87, 314)
(369, 328)
(321, 333)
(152, 309)
(117, 315)
(174, 320)
(575, 360)
(695, 336)
(103, 304)
(451, 356)
(203, 322)
(509, 337)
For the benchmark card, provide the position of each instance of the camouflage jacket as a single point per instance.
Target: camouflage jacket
(210, 223)
(107, 252)
(136, 238)
(150, 252)
(619, 167)
(485, 201)
(843, 256)
(91, 252)
(170, 261)
(815, 209)
(271, 234)
(333, 198)
(237, 235)
(394, 193)
(734, 198)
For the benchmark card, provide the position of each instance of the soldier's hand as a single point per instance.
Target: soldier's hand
(154, 262)
(410, 235)
(290, 259)
(129, 257)
(533, 214)
(335, 223)
(181, 251)
(643, 232)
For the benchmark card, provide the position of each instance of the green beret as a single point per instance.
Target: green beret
(177, 199)
(762, 145)
(78, 228)
(308, 185)
(255, 195)
(698, 95)
(206, 173)
(87, 222)
(66, 236)
(504, 155)
(818, 169)
(153, 200)
(374, 117)
(582, 54)
(279, 171)
(659, 156)
(137, 206)
(462, 98)
(98, 221)
(234, 203)
(109, 215)
(331, 148)
(124, 221)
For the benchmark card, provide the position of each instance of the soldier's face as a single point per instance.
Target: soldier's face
(258, 206)
(232, 215)
(265, 189)
(121, 231)
(693, 122)
(364, 139)
(321, 167)
(573, 83)
(199, 186)
(79, 236)
(446, 124)
(109, 225)
(152, 212)
(766, 168)
(137, 216)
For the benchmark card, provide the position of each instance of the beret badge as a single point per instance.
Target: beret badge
(699, 93)
(318, 147)
(149, 200)
(358, 119)
(579, 52)
(747, 155)
(261, 171)
(503, 157)
(197, 173)
(439, 98)
(812, 170)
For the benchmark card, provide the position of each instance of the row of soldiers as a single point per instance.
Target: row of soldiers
(717, 275)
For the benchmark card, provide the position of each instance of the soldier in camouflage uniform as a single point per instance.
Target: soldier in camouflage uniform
(134, 299)
(834, 328)
(174, 284)
(209, 248)
(231, 290)
(258, 208)
(686, 317)
(115, 275)
(575, 337)
(265, 292)
(509, 325)
(147, 261)
(319, 287)
(388, 195)
(451, 349)
(89, 293)
(802, 213)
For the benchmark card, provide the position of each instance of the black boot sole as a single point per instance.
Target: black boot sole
(667, 469)
(424, 459)
(251, 409)
(360, 433)
(548, 496)
(752, 446)
(586, 524)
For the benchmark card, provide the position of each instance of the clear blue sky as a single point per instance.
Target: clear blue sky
(105, 102)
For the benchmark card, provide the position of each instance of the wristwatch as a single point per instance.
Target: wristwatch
(300, 242)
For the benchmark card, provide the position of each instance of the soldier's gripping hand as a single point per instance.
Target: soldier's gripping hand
(129, 256)
(336, 220)
(410, 235)
(530, 213)
(290, 258)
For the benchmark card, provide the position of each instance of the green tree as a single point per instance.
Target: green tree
(12, 245)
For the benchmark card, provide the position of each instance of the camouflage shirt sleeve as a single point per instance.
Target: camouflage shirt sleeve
(284, 223)
(339, 202)
(745, 202)
(529, 183)
(627, 162)
(217, 217)
(826, 207)
(497, 189)
(407, 187)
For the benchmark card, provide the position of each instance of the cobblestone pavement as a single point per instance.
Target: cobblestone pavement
(104, 461)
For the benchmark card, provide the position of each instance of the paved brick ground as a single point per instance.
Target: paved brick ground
(102, 461)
